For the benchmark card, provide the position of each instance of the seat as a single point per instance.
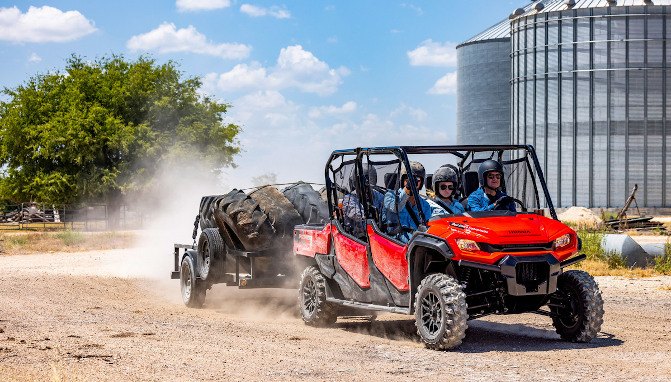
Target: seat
(470, 182)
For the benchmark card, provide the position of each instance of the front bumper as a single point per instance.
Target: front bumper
(530, 275)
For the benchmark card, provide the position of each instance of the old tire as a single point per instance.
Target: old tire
(577, 307)
(193, 290)
(211, 253)
(314, 309)
(281, 213)
(206, 205)
(440, 312)
(251, 226)
(308, 203)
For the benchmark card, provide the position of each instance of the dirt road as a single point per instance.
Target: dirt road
(102, 316)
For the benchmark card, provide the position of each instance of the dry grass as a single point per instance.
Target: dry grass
(13, 243)
(603, 268)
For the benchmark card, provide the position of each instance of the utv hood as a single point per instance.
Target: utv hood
(498, 227)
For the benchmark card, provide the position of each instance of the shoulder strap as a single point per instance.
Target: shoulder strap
(412, 214)
(444, 205)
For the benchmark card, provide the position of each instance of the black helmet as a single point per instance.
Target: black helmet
(369, 176)
(445, 174)
(417, 170)
(488, 166)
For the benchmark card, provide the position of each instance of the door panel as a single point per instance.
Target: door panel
(389, 258)
(351, 255)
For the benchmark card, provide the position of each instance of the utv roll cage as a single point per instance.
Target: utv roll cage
(465, 153)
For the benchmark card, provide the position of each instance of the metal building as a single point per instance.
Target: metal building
(483, 87)
(590, 91)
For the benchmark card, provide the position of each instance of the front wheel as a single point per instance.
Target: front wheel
(440, 312)
(315, 311)
(576, 307)
(193, 290)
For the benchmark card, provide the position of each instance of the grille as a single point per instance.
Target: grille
(516, 247)
(531, 275)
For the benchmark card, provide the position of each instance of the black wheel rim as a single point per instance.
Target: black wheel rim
(568, 310)
(309, 297)
(431, 312)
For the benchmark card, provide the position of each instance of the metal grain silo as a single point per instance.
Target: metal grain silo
(590, 89)
(483, 87)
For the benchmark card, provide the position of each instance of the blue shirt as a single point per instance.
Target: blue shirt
(397, 213)
(354, 215)
(479, 201)
(454, 205)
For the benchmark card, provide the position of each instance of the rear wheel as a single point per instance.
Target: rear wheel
(314, 309)
(193, 290)
(440, 312)
(210, 252)
(577, 307)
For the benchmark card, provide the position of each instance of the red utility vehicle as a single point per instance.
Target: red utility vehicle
(454, 267)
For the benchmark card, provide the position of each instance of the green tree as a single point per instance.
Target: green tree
(99, 130)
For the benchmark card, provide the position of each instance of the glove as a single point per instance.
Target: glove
(503, 201)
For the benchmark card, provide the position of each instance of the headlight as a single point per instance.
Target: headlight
(467, 245)
(563, 241)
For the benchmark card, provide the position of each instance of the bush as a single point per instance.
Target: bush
(663, 263)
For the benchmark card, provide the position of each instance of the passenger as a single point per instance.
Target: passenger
(354, 215)
(401, 208)
(489, 195)
(445, 187)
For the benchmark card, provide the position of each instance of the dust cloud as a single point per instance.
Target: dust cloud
(170, 212)
(173, 209)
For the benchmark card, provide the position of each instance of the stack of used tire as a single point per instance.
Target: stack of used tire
(261, 220)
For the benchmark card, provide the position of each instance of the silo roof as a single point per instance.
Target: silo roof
(561, 5)
(498, 32)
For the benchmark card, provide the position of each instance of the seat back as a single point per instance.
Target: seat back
(471, 182)
(391, 181)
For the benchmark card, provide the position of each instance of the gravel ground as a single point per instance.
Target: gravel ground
(106, 316)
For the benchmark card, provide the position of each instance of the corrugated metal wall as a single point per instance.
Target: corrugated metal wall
(483, 92)
(590, 90)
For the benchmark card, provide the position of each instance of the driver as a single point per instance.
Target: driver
(402, 210)
(489, 196)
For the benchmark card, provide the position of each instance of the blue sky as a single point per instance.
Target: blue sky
(303, 78)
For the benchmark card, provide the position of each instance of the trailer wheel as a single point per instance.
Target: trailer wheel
(440, 312)
(193, 290)
(210, 252)
(308, 203)
(314, 309)
(577, 307)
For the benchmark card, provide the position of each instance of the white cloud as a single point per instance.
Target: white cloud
(256, 11)
(430, 53)
(413, 7)
(202, 5)
(445, 85)
(417, 114)
(168, 39)
(34, 58)
(43, 24)
(295, 68)
(279, 136)
(347, 108)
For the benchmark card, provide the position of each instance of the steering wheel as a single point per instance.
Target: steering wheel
(504, 206)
